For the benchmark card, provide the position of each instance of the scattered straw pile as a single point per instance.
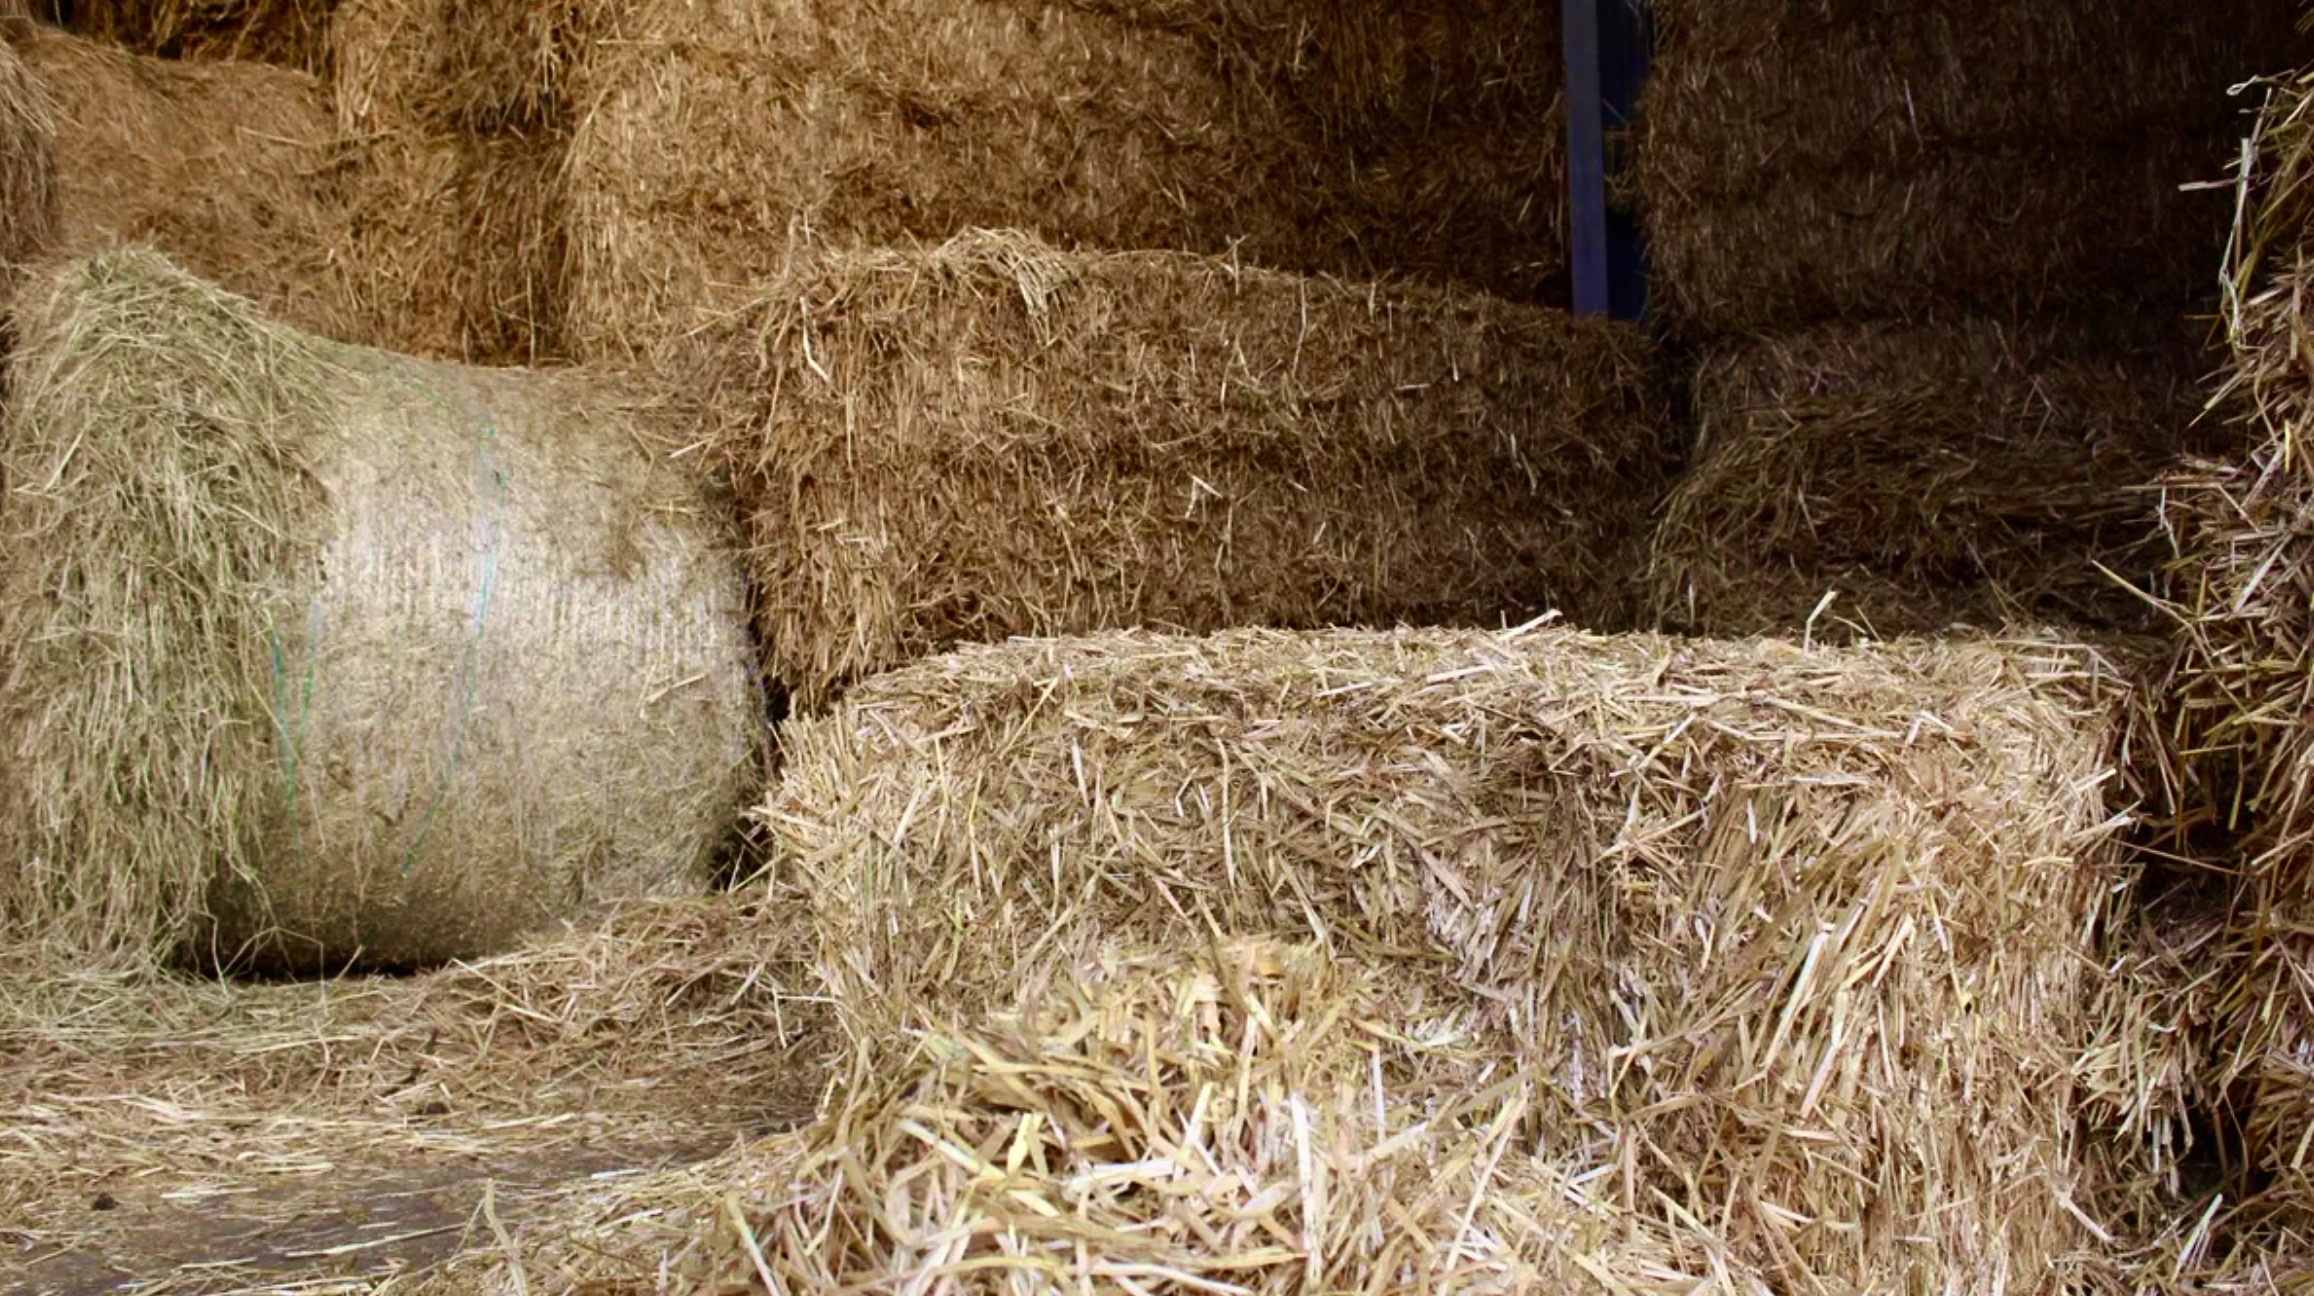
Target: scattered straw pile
(396, 660)
(1792, 940)
(1255, 1120)
(237, 1121)
(292, 33)
(1921, 477)
(231, 167)
(1811, 160)
(990, 438)
(1310, 137)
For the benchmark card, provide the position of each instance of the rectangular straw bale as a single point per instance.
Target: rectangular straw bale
(714, 131)
(1746, 97)
(1978, 473)
(467, 212)
(1251, 1119)
(1796, 941)
(2026, 229)
(2235, 703)
(233, 167)
(991, 437)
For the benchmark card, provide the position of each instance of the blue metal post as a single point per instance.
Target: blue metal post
(1586, 157)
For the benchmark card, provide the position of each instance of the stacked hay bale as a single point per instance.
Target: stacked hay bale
(2004, 471)
(991, 437)
(697, 141)
(2238, 697)
(327, 656)
(1794, 941)
(233, 167)
(290, 33)
(1896, 186)
(1255, 1119)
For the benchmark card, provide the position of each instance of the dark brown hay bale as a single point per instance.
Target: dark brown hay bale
(232, 167)
(291, 33)
(390, 661)
(991, 438)
(1250, 1119)
(1743, 97)
(1792, 940)
(28, 181)
(2026, 229)
(713, 131)
(1974, 474)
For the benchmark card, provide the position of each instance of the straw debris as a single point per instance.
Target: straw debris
(991, 437)
(333, 657)
(1256, 1120)
(1920, 477)
(1796, 941)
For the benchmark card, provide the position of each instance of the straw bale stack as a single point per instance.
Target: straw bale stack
(1925, 476)
(291, 33)
(1254, 1119)
(1796, 939)
(372, 660)
(465, 215)
(1816, 160)
(991, 437)
(714, 132)
(2236, 702)
(232, 167)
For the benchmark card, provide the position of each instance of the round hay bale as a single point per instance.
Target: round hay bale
(389, 662)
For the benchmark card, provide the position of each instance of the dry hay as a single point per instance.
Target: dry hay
(1797, 941)
(292, 33)
(466, 215)
(670, 1030)
(990, 437)
(1748, 95)
(394, 660)
(2238, 694)
(1920, 477)
(1250, 1120)
(28, 180)
(2093, 229)
(710, 133)
(231, 167)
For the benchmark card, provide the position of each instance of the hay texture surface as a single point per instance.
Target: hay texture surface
(28, 181)
(1792, 940)
(991, 438)
(1422, 138)
(391, 661)
(2239, 695)
(1251, 1119)
(1921, 477)
(463, 203)
(1817, 160)
(291, 33)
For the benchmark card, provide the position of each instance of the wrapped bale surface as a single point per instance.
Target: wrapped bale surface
(1253, 1120)
(920, 118)
(292, 33)
(231, 167)
(992, 438)
(1766, 925)
(1975, 473)
(384, 660)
